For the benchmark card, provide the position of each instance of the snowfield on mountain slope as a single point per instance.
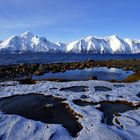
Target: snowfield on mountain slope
(16, 127)
(28, 42)
(109, 45)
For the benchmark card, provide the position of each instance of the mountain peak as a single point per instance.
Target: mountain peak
(28, 42)
(89, 38)
(114, 36)
(27, 34)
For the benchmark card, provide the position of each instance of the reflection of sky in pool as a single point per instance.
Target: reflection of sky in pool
(102, 73)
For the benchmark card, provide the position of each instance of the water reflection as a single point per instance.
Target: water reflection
(99, 73)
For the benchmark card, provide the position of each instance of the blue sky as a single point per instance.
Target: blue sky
(68, 20)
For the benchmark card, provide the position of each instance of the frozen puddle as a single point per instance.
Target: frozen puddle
(113, 108)
(46, 109)
(102, 88)
(83, 103)
(138, 94)
(109, 108)
(119, 86)
(75, 89)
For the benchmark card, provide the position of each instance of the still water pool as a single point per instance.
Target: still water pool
(99, 73)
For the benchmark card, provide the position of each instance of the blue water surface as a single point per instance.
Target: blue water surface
(44, 58)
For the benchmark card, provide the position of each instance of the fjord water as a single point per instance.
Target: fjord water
(101, 73)
(7, 59)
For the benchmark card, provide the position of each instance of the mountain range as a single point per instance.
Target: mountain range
(28, 42)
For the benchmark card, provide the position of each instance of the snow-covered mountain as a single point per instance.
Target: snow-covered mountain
(110, 45)
(27, 42)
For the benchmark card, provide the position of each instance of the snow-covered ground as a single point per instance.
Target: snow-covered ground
(15, 127)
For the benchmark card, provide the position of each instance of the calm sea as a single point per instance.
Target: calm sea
(6, 59)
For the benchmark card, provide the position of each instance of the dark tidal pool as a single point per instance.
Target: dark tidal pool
(108, 108)
(75, 89)
(46, 109)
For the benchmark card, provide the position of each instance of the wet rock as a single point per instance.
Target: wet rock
(132, 78)
(27, 81)
(94, 78)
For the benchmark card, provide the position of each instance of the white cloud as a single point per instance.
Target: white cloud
(25, 23)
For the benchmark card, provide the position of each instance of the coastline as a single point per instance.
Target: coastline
(16, 72)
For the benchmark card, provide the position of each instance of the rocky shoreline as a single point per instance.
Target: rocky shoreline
(16, 72)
